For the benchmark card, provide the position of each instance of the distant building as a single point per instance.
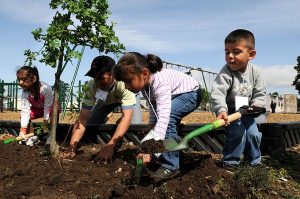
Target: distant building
(286, 103)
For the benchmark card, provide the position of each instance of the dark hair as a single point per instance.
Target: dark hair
(100, 65)
(136, 62)
(240, 34)
(33, 71)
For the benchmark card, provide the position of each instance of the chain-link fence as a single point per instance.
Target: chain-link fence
(10, 96)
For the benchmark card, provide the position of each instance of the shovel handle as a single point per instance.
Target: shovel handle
(231, 118)
(19, 138)
(212, 126)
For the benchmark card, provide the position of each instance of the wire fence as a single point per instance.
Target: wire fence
(10, 96)
(70, 97)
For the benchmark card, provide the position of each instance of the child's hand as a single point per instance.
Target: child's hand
(224, 116)
(105, 154)
(69, 153)
(146, 158)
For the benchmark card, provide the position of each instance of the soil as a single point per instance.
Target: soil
(151, 146)
(24, 173)
(29, 172)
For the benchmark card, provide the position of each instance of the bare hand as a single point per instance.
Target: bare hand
(105, 154)
(69, 153)
(146, 158)
(224, 116)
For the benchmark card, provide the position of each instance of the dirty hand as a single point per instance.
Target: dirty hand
(69, 153)
(224, 116)
(146, 158)
(105, 154)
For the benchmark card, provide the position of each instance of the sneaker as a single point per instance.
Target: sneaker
(164, 174)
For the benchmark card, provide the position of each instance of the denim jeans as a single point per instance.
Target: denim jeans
(242, 136)
(181, 106)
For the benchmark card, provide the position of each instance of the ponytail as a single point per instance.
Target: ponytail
(154, 63)
(36, 85)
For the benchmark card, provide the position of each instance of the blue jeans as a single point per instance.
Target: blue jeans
(242, 136)
(181, 106)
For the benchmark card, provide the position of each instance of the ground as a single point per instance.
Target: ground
(29, 172)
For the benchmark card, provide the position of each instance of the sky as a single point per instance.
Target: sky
(186, 32)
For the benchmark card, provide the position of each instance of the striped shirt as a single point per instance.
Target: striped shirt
(164, 85)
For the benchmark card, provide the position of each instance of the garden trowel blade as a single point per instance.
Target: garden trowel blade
(173, 145)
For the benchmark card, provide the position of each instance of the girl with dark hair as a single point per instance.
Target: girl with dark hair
(36, 99)
(171, 95)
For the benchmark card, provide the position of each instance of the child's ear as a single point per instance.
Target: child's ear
(252, 54)
(145, 72)
(34, 79)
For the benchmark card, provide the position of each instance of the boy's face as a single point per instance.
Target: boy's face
(237, 55)
(104, 81)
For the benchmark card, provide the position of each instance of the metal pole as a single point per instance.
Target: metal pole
(137, 111)
(8, 97)
(16, 96)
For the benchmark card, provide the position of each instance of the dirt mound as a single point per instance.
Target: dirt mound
(24, 173)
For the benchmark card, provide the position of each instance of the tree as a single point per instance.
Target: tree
(76, 23)
(275, 94)
(296, 82)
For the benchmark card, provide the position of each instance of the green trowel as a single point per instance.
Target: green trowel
(19, 138)
(173, 145)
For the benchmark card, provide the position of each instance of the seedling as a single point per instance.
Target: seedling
(139, 168)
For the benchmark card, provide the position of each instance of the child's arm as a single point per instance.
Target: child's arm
(25, 111)
(219, 93)
(162, 95)
(259, 91)
(107, 152)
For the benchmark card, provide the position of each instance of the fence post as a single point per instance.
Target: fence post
(9, 97)
(79, 95)
(16, 96)
(1, 95)
(71, 99)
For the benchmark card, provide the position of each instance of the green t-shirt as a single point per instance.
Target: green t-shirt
(117, 95)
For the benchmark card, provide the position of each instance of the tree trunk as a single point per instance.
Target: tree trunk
(54, 148)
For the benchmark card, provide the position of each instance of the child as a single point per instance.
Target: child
(239, 83)
(101, 96)
(171, 95)
(36, 99)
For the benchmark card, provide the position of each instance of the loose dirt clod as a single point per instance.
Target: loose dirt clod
(152, 146)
